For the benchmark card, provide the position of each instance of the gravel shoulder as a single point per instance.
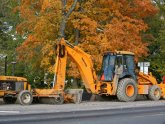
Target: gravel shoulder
(84, 106)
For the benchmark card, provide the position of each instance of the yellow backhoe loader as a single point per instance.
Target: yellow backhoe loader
(118, 76)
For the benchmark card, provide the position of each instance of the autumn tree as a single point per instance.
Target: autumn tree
(95, 25)
(112, 25)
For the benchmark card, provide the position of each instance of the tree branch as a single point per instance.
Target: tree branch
(71, 9)
(64, 7)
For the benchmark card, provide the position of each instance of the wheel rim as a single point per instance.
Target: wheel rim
(156, 93)
(130, 90)
(26, 98)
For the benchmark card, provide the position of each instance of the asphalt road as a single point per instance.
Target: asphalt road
(140, 115)
(106, 112)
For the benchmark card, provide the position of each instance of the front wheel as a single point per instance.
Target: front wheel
(154, 93)
(25, 97)
(127, 90)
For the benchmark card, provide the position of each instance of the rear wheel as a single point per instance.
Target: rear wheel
(154, 93)
(25, 97)
(127, 90)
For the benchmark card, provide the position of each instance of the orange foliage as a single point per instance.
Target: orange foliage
(40, 24)
(103, 24)
(113, 25)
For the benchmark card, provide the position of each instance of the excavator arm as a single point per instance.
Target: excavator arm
(81, 59)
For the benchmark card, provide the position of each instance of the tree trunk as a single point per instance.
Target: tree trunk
(65, 16)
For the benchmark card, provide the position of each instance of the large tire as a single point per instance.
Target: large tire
(9, 99)
(127, 90)
(154, 93)
(25, 97)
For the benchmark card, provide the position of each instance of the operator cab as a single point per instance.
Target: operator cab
(115, 60)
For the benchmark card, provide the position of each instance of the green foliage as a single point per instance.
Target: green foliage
(157, 42)
(10, 40)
